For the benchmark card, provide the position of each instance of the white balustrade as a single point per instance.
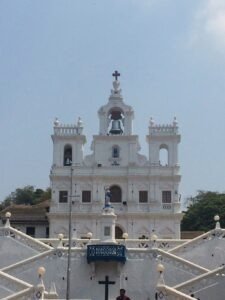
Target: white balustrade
(164, 290)
(24, 239)
(66, 130)
(163, 130)
(185, 247)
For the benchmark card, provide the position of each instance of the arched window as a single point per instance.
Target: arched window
(118, 233)
(116, 194)
(163, 155)
(115, 152)
(67, 158)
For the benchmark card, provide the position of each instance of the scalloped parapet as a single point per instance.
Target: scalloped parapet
(168, 129)
(68, 129)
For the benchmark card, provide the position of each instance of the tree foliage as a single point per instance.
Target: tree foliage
(27, 195)
(200, 214)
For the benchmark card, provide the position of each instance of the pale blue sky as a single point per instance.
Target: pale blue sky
(57, 57)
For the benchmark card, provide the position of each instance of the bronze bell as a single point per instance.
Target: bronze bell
(116, 127)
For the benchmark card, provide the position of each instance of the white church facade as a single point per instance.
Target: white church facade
(144, 190)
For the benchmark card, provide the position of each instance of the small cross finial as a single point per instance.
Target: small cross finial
(116, 74)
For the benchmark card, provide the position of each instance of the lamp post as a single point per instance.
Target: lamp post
(40, 288)
(217, 220)
(69, 236)
(8, 216)
(154, 238)
(160, 269)
(89, 235)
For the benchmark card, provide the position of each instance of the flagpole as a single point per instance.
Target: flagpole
(69, 236)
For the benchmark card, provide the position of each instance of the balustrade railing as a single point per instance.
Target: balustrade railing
(164, 292)
(106, 253)
(167, 206)
(78, 243)
(215, 233)
(24, 239)
(182, 263)
(68, 130)
(203, 280)
(163, 129)
(13, 283)
(164, 244)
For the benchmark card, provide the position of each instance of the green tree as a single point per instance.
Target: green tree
(200, 214)
(26, 195)
(46, 194)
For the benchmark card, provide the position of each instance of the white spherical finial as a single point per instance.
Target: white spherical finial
(152, 122)
(125, 235)
(60, 236)
(8, 214)
(160, 268)
(41, 271)
(154, 237)
(216, 218)
(89, 235)
(79, 122)
(56, 122)
(175, 123)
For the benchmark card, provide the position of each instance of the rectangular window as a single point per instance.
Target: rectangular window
(86, 196)
(63, 196)
(166, 196)
(107, 231)
(143, 196)
(30, 231)
(47, 232)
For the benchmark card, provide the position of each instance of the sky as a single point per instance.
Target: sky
(57, 58)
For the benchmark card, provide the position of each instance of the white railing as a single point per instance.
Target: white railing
(22, 264)
(12, 282)
(163, 129)
(201, 279)
(185, 247)
(184, 264)
(24, 239)
(21, 295)
(164, 244)
(165, 290)
(79, 243)
(68, 130)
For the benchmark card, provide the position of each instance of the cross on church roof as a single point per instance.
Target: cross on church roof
(116, 74)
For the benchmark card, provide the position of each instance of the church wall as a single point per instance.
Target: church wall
(134, 225)
(129, 204)
(103, 152)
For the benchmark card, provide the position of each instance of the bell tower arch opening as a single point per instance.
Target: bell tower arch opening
(67, 156)
(116, 121)
(163, 155)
